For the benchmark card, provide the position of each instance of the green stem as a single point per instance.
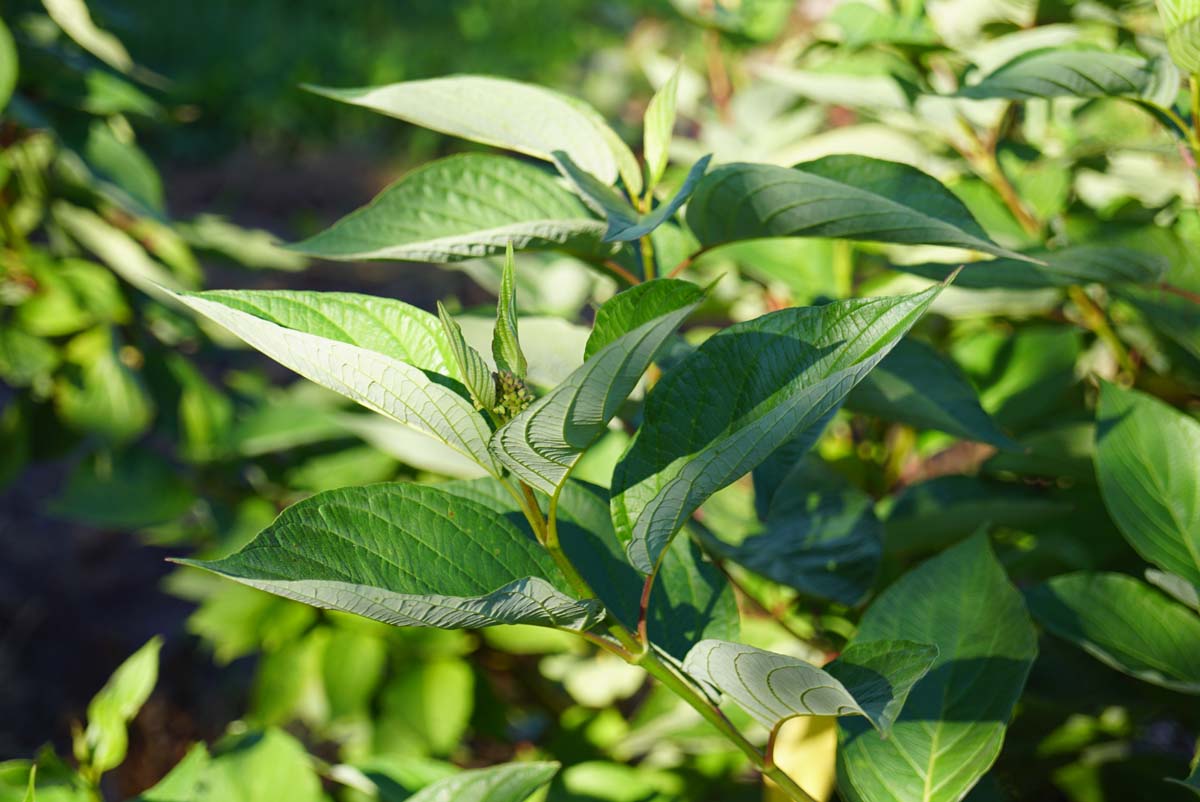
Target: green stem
(713, 715)
(1095, 319)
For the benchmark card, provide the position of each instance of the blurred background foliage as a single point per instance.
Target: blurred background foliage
(130, 434)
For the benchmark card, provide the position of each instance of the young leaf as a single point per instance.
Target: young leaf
(1082, 264)
(509, 782)
(1124, 624)
(476, 375)
(952, 727)
(820, 536)
(659, 125)
(494, 111)
(724, 408)
(847, 197)
(461, 207)
(624, 222)
(103, 743)
(382, 383)
(916, 385)
(639, 304)
(1181, 23)
(1057, 72)
(1150, 479)
(506, 345)
(542, 444)
(407, 555)
(868, 679)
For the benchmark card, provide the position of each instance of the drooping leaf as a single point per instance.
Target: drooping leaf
(476, 375)
(624, 222)
(1082, 264)
(952, 727)
(407, 555)
(382, 383)
(915, 384)
(869, 679)
(494, 111)
(1060, 72)
(102, 745)
(1181, 23)
(658, 127)
(637, 305)
(723, 409)
(461, 207)
(76, 21)
(820, 535)
(846, 197)
(1150, 478)
(1125, 624)
(506, 345)
(510, 782)
(542, 444)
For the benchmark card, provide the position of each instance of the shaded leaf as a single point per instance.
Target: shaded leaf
(1082, 264)
(407, 555)
(1059, 72)
(510, 782)
(476, 375)
(952, 727)
(729, 404)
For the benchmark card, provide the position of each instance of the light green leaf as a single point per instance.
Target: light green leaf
(846, 197)
(510, 782)
(76, 21)
(260, 766)
(426, 707)
(1082, 264)
(494, 111)
(407, 555)
(409, 446)
(379, 382)
(624, 222)
(916, 385)
(461, 207)
(542, 444)
(659, 125)
(1176, 587)
(184, 783)
(116, 249)
(868, 679)
(1059, 72)
(952, 727)
(110, 711)
(8, 65)
(1181, 23)
(106, 397)
(723, 409)
(1125, 624)
(506, 344)
(250, 247)
(637, 305)
(476, 375)
(820, 536)
(1150, 478)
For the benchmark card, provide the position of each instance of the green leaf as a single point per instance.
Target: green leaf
(1082, 264)
(1176, 587)
(1192, 781)
(76, 21)
(916, 385)
(1181, 23)
(542, 444)
(425, 708)
(952, 727)
(506, 345)
(183, 783)
(407, 555)
(106, 396)
(658, 126)
(110, 711)
(8, 65)
(637, 305)
(510, 782)
(820, 535)
(1150, 479)
(470, 365)
(624, 222)
(379, 382)
(494, 111)
(846, 197)
(868, 679)
(461, 207)
(1058, 72)
(116, 249)
(257, 766)
(724, 408)
(1125, 624)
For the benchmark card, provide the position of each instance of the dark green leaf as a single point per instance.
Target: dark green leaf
(637, 305)
(1082, 264)
(1058, 72)
(506, 345)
